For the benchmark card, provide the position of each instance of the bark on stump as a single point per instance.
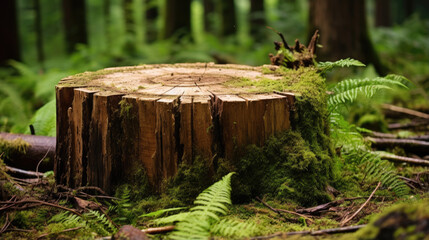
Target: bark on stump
(113, 122)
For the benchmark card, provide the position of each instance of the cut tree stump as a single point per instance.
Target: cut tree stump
(117, 121)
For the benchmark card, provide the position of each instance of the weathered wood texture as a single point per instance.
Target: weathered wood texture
(112, 123)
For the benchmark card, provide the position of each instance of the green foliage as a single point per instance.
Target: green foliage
(203, 220)
(44, 120)
(347, 137)
(122, 208)
(348, 62)
(92, 221)
(189, 181)
(348, 90)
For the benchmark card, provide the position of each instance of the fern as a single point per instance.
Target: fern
(99, 222)
(203, 220)
(93, 221)
(349, 89)
(378, 170)
(231, 228)
(348, 62)
(122, 207)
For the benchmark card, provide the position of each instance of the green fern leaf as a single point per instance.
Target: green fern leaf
(231, 228)
(197, 223)
(348, 62)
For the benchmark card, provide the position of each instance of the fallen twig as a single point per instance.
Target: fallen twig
(11, 204)
(420, 146)
(413, 124)
(63, 231)
(279, 211)
(157, 230)
(25, 173)
(313, 233)
(6, 224)
(396, 158)
(406, 111)
(361, 207)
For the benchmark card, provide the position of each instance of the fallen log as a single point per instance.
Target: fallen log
(26, 151)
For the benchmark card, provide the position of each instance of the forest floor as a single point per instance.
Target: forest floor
(34, 206)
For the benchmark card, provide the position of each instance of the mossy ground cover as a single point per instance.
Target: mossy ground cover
(291, 171)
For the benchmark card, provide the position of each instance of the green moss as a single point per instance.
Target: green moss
(190, 180)
(297, 164)
(125, 108)
(404, 221)
(10, 148)
(285, 168)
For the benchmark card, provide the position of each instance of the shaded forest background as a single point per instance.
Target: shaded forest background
(45, 40)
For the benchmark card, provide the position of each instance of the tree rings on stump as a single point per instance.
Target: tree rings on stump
(114, 122)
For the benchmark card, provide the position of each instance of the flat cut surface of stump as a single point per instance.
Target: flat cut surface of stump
(120, 122)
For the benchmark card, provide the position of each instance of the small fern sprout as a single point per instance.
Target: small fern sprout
(324, 67)
(204, 219)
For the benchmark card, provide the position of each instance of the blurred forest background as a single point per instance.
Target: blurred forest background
(43, 41)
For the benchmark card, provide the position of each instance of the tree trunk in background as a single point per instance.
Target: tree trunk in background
(130, 33)
(343, 31)
(382, 13)
(151, 16)
(257, 20)
(9, 40)
(74, 18)
(39, 34)
(106, 18)
(178, 19)
(228, 20)
(209, 12)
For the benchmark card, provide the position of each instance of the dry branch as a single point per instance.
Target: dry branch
(158, 230)
(11, 204)
(396, 158)
(24, 173)
(361, 207)
(313, 233)
(279, 211)
(415, 145)
(405, 111)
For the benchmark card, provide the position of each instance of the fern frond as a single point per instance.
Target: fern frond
(348, 62)
(210, 204)
(160, 212)
(349, 89)
(232, 228)
(99, 222)
(378, 170)
(173, 218)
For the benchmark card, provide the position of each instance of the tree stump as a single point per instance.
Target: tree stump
(118, 121)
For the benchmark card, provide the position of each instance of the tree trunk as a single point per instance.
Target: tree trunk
(39, 34)
(106, 18)
(130, 32)
(150, 21)
(257, 20)
(382, 13)
(74, 18)
(178, 19)
(9, 40)
(114, 122)
(343, 31)
(229, 19)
